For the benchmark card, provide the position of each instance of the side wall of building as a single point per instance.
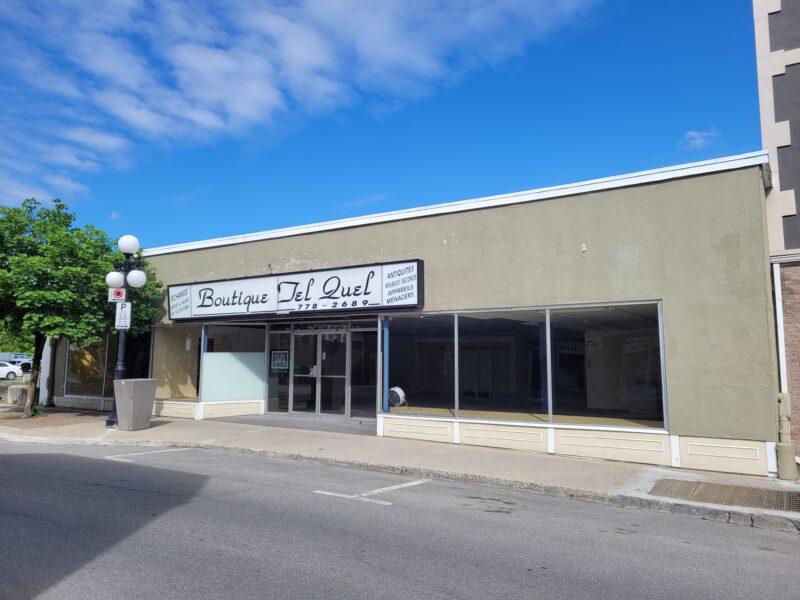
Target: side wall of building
(698, 244)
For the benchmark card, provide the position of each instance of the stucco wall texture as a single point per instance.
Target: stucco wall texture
(698, 243)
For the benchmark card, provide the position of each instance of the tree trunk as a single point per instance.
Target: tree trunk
(38, 347)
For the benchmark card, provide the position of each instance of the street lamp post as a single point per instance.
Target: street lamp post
(127, 274)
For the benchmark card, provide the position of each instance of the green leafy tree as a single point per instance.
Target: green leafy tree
(52, 281)
(12, 343)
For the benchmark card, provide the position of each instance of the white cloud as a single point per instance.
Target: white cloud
(68, 156)
(133, 113)
(698, 140)
(238, 84)
(14, 190)
(115, 216)
(112, 60)
(95, 139)
(96, 77)
(64, 184)
(188, 197)
(366, 201)
(35, 70)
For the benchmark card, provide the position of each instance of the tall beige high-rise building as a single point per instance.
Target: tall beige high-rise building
(777, 35)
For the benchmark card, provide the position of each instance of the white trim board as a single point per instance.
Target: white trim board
(525, 424)
(780, 259)
(593, 185)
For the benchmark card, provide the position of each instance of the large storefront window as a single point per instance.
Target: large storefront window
(603, 367)
(503, 365)
(422, 365)
(316, 368)
(363, 373)
(90, 370)
(607, 366)
(176, 362)
(86, 369)
(233, 367)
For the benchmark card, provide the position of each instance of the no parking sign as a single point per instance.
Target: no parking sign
(116, 294)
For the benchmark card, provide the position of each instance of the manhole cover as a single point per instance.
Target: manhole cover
(728, 495)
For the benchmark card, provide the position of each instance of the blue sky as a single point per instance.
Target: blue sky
(185, 121)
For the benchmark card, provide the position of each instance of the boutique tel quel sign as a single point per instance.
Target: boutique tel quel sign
(373, 287)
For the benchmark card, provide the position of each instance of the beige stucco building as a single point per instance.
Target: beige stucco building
(626, 318)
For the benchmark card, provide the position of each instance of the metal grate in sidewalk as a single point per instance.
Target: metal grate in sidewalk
(728, 495)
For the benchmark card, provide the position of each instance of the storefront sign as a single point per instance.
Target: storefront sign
(374, 287)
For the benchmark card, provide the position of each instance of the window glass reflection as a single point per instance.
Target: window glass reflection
(607, 366)
(85, 370)
(503, 365)
(422, 365)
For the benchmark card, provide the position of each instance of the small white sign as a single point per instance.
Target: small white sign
(279, 360)
(180, 302)
(123, 320)
(116, 294)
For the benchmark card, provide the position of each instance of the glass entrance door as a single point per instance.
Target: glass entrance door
(332, 373)
(363, 373)
(319, 373)
(304, 373)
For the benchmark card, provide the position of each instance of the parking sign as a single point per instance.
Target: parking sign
(123, 320)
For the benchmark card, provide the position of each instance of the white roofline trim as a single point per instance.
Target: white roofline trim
(606, 183)
(785, 258)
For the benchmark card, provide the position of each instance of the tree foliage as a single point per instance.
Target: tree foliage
(52, 279)
(12, 343)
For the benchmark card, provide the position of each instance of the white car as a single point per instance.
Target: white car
(9, 371)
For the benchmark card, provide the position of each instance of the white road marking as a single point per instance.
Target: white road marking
(365, 496)
(123, 457)
(356, 497)
(395, 487)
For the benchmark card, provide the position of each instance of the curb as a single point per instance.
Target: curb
(698, 511)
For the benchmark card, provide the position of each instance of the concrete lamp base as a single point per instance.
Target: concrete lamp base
(134, 399)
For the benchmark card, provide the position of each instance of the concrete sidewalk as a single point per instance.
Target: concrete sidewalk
(606, 482)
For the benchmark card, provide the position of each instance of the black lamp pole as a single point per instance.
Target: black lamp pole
(119, 370)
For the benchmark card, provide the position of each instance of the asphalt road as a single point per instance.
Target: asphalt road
(76, 522)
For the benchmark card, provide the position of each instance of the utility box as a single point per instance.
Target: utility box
(135, 399)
